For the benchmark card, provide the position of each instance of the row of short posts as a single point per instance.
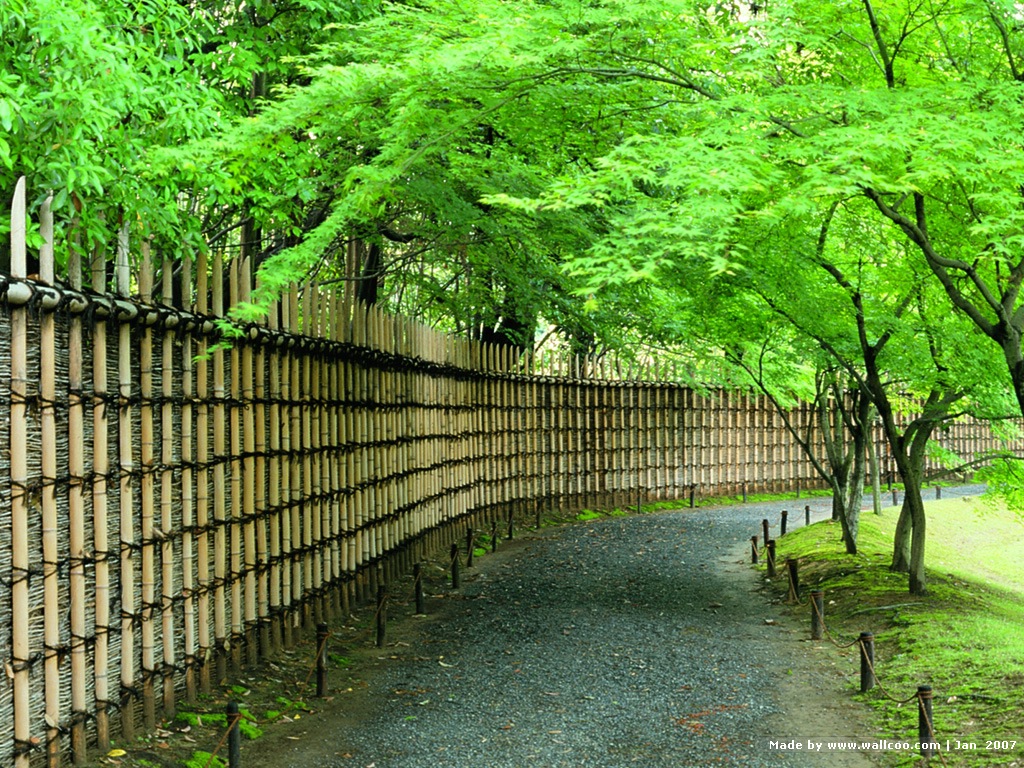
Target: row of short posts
(866, 641)
(868, 678)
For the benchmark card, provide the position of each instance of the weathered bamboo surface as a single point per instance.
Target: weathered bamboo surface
(171, 507)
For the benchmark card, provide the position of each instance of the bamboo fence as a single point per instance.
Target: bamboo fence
(171, 509)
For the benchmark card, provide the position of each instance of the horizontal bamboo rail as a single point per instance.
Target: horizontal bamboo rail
(193, 507)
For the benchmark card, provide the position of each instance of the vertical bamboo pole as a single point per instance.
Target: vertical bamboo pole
(295, 467)
(129, 614)
(236, 511)
(248, 476)
(168, 437)
(260, 500)
(334, 463)
(188, 518)
(275, 479)
(323, 460)
(100, 508)
(146, 491)
(76, 516)
(311, 462)
(285, 422)
(220, 542)
(48, 419)
(20, 558)
(203, 639)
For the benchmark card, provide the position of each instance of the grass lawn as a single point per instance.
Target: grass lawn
(965, 638)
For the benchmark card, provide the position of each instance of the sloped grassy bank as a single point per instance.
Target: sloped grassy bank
(965, 638)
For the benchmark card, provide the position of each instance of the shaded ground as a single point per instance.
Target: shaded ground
(642, 640)
(622, 641)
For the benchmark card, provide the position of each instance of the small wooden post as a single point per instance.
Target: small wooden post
(234, 735)
(925, 724)
(454, 555)
(753, 550)
(807, 514)
(417, 575)
(817, 615)
(764, 531)
(382, 613)
(783, 522)
(770, 557)
(794, 580)
(469, 547)
(322, 633)
(867, 661)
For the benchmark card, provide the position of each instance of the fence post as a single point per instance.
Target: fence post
(770, 557)
(469, 547)
(817, 615)
(417, 577)
(753, 550)
(234, 736)
(382, 613)
(764, 530)
(867, 661)
(925, 728)
(807, 514)
(454, 555)
(321, 659)
(794, 580)
(782, 523)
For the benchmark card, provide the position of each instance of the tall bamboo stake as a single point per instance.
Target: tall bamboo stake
(148, 460)
(260, 500)
(20, 558)
(101, 543)
(311, 441)
(76, 516)
(308, 507)
(248, 477)
(275, 479)
(235, 511)
(297, 449)
(47, 391)
(220, 543)
(334, 463)
(323, 458)
(284, 420)
(129, 614)
(205, 642)
(168, 436)
(188, 519)
(48, 419)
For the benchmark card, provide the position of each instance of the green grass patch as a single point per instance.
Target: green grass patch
(965, 638)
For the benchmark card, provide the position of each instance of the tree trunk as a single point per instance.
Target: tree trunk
(876, 480)
(854, 497)
(913, 500)
(901, 541)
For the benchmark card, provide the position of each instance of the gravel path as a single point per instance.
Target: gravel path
(622, 641)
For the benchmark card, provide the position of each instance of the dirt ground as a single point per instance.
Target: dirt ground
(281, 694)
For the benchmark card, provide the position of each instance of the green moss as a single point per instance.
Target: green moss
(205, 760)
